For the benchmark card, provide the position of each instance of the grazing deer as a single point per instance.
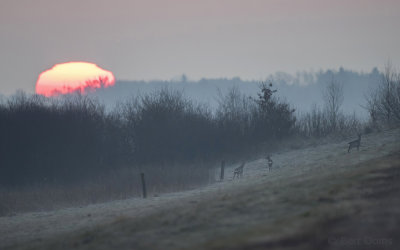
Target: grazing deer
(355, 144)
(238, 172)
(270, 162)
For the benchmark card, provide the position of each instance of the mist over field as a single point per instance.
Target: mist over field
(303, 90)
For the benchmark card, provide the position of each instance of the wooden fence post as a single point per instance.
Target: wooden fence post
(221, 177)
(143, 185)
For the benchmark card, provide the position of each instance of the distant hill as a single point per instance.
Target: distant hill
(301, 90)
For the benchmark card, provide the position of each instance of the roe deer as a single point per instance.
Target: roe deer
(270, 162)
(355, 144)
(238, 172)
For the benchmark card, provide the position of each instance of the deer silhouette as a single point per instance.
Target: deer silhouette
(238, 172)
(270, 162)
(355, 144)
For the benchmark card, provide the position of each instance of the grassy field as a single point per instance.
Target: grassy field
(314, 198)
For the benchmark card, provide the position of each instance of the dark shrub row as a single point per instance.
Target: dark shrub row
(70, 139)
(45, 140)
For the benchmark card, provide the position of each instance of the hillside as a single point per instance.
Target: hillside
(318, 197)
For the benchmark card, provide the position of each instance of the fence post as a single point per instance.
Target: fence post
(221, 177)
(143, 185)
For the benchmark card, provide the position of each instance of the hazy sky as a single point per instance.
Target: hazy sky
(161, 39)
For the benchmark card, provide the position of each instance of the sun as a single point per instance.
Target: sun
(71, 77)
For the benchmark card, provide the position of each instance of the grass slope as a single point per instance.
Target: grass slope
(326, 199)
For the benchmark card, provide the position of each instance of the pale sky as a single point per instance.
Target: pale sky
(162, 39)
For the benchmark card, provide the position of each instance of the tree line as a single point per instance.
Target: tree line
(73, 138)
(70, 139)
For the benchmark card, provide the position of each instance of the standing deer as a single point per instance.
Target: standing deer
(238, 172)
(270, 162)
(355, 144)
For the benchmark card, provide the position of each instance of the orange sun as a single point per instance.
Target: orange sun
(70, 77)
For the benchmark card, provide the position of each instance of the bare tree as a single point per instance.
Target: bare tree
(333, 98)
(383, 103)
